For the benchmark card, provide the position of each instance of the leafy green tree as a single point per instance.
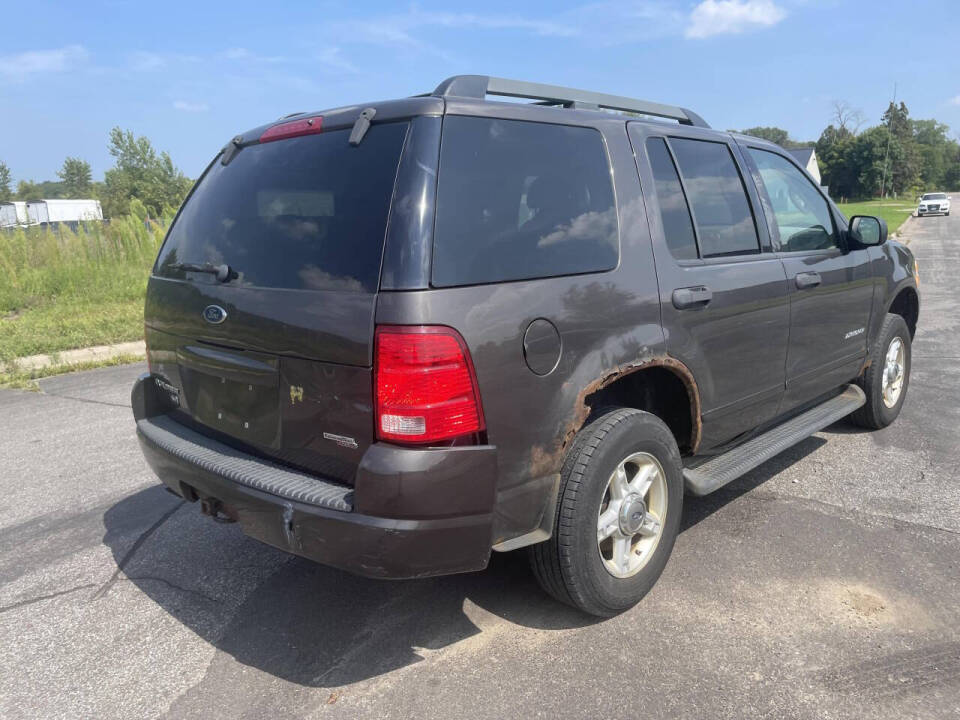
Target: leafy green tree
(834, 157)
(29, 190)
(881, 162)
(938, 152)
(6, 192)
(773, 134)
(897, 120)
(142, 173)
(76, 177)
(951, 174)
(902, 175)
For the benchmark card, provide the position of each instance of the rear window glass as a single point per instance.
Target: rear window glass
(306, 213)
(674, 212)
(519, 200)
(717, 196)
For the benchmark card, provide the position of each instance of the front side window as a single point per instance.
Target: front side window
(718, 198)
(520, 200)
(802, 215)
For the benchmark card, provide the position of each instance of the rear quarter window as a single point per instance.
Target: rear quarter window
(520, 200)
(306, 213)
(674, 213)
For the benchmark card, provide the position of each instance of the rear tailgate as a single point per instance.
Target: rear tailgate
(277, 360)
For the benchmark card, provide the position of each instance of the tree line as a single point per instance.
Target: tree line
(140, 174)
(899, 157)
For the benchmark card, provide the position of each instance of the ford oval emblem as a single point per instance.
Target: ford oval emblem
(214, 314)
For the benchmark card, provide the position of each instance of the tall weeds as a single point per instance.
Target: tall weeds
(39, 264)
(63, 287)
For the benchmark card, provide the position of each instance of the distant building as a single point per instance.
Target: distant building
(807, 157)
(13, 213)
(60, 210)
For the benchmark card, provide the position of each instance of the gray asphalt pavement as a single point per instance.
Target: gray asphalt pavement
(825, 584)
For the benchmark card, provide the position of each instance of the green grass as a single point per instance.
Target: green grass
(61, 289)
(895, 212)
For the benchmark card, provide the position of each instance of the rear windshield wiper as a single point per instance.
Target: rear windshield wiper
(223, 272)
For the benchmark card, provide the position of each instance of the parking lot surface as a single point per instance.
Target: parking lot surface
(824, 584)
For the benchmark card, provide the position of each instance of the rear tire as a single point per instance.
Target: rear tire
(890, 358)
(618, 465)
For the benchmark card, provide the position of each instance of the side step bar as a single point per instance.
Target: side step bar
(718, 471)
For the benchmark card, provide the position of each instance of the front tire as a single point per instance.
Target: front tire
(618, 514)
(886, 380)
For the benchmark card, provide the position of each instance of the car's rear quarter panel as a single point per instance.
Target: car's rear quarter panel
(605, 320)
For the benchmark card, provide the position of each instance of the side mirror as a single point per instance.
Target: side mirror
(868, 230)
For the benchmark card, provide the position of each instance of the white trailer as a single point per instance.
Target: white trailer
(13, 213)
(57, 210)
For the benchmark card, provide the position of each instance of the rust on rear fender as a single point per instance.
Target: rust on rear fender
(543, 461)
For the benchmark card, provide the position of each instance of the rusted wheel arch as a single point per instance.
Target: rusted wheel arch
(671, 364)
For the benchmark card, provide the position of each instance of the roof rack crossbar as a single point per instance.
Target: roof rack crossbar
(479, 86)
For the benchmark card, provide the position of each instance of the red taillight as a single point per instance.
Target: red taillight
(294, 128)
(426, 388)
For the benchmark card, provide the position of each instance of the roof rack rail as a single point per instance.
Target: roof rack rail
(479, 86)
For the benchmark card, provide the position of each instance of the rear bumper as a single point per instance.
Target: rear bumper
(411, 513)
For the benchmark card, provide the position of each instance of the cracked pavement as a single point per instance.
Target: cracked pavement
(824, 584)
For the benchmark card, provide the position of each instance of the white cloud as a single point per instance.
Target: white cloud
(723, 17)
(494, 22)
(236, 53)
(400, 30)
(955, 100)
(334, 60)
(146, 61)
(625, 22)
(185, 106)
(598, 22)
(17, 67)
(243, 54)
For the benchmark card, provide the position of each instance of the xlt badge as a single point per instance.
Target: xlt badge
(341, 440)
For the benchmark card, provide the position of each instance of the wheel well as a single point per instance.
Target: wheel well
(907, 305)
(661, 391)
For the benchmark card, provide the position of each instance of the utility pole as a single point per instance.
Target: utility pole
(886, 155)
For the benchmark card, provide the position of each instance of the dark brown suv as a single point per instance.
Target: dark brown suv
(395, 337)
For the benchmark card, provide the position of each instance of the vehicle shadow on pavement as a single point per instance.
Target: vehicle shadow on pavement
(320, 627)
(307, 623)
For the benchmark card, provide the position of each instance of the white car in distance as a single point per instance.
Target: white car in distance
(934, 204)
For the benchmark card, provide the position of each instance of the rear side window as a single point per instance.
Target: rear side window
(519, 200)
(717, 196)
(307, 213)
(674, 212)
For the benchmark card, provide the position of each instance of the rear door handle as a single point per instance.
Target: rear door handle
(807, 280)
(691, 298)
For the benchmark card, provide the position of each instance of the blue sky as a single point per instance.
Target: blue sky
(191, 75)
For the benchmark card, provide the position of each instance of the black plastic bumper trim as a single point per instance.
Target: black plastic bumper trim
(231, 464)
